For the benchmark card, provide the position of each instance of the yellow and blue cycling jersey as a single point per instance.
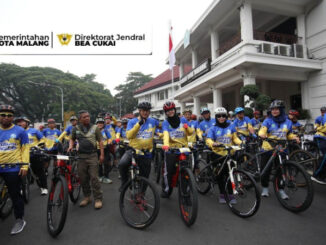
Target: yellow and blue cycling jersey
(194, 125)
(273, 130)
(242, 126)
(121, 133)
(225, 136)
(141, 137)
(296, 126)
(176, 137)
(111, 129)
(255, 123)
(34, 136)
(14, 147)
(318, 121)
(50, 136)
(106, 138)
(66, 133)
(203, 127)
(321, 129)
(158, 133)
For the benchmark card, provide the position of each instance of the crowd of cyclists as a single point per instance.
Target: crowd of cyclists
(178, 130)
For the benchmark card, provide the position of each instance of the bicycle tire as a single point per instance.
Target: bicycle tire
(302, 157)
(25, 189)
(203, 177)
(187, 195)
(75, 184)
(133, 187)
(63, 199)
(6, 206)
(242, 189)
(291, 185)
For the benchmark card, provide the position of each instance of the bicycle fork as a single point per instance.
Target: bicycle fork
(231, 169)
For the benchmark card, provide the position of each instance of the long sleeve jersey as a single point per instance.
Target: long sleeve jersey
(50, 136)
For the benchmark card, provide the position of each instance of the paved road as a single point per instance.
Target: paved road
(215, 224)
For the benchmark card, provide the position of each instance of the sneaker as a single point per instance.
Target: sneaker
(283, 195)
(106, 181)
(18, 226)
(100, 179)
(232, 199)
(265, 192)
(98, 204)
(221, 199)
(85, 202)
(164, 194)
(318, 180)
(44, 191)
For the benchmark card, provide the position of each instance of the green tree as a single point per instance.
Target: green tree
(126, 91)
(257, 100)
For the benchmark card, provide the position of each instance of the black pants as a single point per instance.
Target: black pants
(169, 170)
(221, 181)
(37, 167)
(14, 183)
(144, 164)
(106, 167)
(264, 159)
(121, 151)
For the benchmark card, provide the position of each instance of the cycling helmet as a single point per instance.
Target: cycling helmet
(7, 108)
(193, 117)
(145, 105)
(220, 111)
(99, 120)
(124, 121)
(277, 104)
(256, 112)
(168, 106)
(17, 119)
(203, 110)
(294, 113)
(238, 110)
(51, 120)
(231, 113)
(323, 109)
(187, 110)
(73, 118)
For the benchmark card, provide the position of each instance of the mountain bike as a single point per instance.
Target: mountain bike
(241, 191)
(157, 160)
(139, 201)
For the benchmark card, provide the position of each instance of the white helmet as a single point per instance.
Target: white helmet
(220, 110)
(231, 113)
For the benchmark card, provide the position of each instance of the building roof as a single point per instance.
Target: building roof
(162, 79)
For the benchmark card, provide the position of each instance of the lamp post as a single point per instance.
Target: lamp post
(119, 98)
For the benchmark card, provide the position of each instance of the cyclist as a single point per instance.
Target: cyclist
(175, 134)
(255, 121)
(293, 116)
(35, 138)
(205, 124)
(140, 132)
(242, 123)
(319, 175)
(110, 125)
(191, 123)
(67, 132)
(13, 149)
(318, 121)
(121, 135)
(51, 134)
(276, 126)
(104, 168)
(223, 132)
(231, 117)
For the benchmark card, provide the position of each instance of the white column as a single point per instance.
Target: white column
(305, 95)
(301, 32)
(214, 44)
(264, 87)
(217, 97)
(182, 106)
(247, 33)
(196, 105)
(248, 79)
(237, 97)
(181, 70)
(194, 58)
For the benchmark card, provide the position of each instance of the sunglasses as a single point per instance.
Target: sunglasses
(6, 115)
(219, 116)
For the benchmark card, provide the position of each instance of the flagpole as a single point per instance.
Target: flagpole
(171, 65)
(172, 83)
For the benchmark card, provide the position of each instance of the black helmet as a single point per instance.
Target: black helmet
(7, 108)
(323, 109)
(277, 104)
(145, 105)
(124, 120)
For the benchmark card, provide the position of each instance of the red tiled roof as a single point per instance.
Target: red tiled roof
(129, 116)
(162, 79)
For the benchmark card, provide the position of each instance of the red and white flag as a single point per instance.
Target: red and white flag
(171, 50)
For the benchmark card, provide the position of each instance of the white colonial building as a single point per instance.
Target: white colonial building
(279, 45)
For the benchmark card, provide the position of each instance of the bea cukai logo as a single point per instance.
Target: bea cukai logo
(64, 38)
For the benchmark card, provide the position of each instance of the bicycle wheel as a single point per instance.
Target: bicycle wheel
(57, 207)
(188, 199)
(203, 179)
(25, 191)
(6, 205)
(296, 184)
(305, 159)
(75, 184)
(139, 203)
(159, 165)
(242, 196)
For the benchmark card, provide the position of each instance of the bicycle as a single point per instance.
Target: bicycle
(286, 175)
(6, 204)
(65, 182)
(185, 181)
(241, 191)
(157, 160)
(139, 201)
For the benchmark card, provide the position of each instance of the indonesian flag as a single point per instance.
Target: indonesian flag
(171, 50)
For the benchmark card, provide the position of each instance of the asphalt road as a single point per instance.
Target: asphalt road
(215, 223)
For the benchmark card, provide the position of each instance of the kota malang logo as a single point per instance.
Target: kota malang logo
(64, 38)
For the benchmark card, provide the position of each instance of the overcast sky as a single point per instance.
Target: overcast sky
(41, 15)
